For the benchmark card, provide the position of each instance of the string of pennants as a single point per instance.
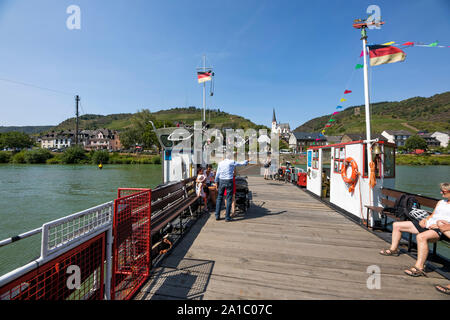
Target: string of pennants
(393, 44)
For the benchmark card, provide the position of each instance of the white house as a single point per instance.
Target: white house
(442, 137)
(398, 137)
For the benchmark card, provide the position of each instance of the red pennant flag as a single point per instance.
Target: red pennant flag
(328, 125)
(408, 44)
(347, 91)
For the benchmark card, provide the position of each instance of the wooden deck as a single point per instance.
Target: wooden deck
(287, 246)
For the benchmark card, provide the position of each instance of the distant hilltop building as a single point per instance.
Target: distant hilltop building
(100, 139)
(282, 129)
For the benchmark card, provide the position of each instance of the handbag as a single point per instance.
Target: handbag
(418, 214)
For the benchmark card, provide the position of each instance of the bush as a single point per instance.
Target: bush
(37, 156)
(156, 160)
(100, 157)
(19, 157)
(74, 155)
(54, 160)
(5, 157)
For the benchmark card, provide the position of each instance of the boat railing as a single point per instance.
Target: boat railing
(59, 238)
(104, 252)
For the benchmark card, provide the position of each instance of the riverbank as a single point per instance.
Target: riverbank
(422, 160)
(76, 156)
(400, 159)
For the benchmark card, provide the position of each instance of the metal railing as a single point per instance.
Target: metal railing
(59, 238)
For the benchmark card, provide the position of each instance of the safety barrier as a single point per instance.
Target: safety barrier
(100, 253)
(131, 250)
(75, 261)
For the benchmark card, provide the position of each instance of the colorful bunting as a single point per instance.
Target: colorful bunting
(359, 66)
(342, 100)
(339, 107)
(335, 113)
(388, 43)
(434, 44)
(347, 91)
(408, 44)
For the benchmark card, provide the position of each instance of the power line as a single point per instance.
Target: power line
(35, 86)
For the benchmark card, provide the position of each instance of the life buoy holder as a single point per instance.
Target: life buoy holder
(354, 177)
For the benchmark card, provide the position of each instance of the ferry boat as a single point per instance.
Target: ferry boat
(351, 175)
(106, 252)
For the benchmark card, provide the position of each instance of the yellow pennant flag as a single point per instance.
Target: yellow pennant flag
(388, 43)
(342, 100)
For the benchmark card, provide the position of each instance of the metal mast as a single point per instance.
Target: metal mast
(204, 69)
(363, 25)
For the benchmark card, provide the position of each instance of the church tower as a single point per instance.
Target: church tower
(274, 122)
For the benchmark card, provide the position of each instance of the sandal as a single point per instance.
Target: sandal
(389, 252)
(442, 289)
(416, 272)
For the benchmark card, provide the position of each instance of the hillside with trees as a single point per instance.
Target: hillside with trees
(414, 114)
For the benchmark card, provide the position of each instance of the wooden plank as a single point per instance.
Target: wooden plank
(287, 246)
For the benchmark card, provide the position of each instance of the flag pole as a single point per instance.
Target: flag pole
(204, 90)
(366, 90)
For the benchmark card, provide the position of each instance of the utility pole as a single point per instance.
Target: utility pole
(77, 100)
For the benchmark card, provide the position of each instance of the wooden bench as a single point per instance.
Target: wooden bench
(388, 201)
(168, 203)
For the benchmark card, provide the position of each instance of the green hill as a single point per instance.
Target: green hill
(170, 117)
(26, 129)
(414, 114)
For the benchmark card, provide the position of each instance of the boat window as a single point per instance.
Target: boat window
(339, 157)
(315, 159)
(389, 162)
(376, 158)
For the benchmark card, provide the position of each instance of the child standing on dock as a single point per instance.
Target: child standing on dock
(199, 187)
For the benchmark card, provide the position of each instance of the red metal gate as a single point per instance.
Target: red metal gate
(131, 250)
(53, 280)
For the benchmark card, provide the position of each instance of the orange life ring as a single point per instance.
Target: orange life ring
(352, 180)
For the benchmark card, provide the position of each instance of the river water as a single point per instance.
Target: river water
(31, 195)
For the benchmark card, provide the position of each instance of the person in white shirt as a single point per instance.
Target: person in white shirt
(224, 181)
(426, 230)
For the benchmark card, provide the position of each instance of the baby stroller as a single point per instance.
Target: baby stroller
(242, 194)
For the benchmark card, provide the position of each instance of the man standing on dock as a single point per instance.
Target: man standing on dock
(224, 181)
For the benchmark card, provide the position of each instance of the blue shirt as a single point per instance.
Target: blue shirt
(225, 169)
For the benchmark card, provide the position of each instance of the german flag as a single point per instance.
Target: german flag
(381, 54)
(204, 76)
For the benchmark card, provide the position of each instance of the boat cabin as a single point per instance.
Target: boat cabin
(325, 174)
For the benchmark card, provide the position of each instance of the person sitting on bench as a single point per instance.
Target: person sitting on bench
(426, 231)
(445, 229)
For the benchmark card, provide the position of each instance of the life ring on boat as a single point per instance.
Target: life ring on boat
(354, 177)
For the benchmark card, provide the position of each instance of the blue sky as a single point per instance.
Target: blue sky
(295, 56)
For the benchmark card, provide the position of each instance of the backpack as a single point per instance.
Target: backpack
(403, 205)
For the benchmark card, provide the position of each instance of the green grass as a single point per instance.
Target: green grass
(419, 160)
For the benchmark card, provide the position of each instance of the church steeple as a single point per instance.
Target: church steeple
(274, 119)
